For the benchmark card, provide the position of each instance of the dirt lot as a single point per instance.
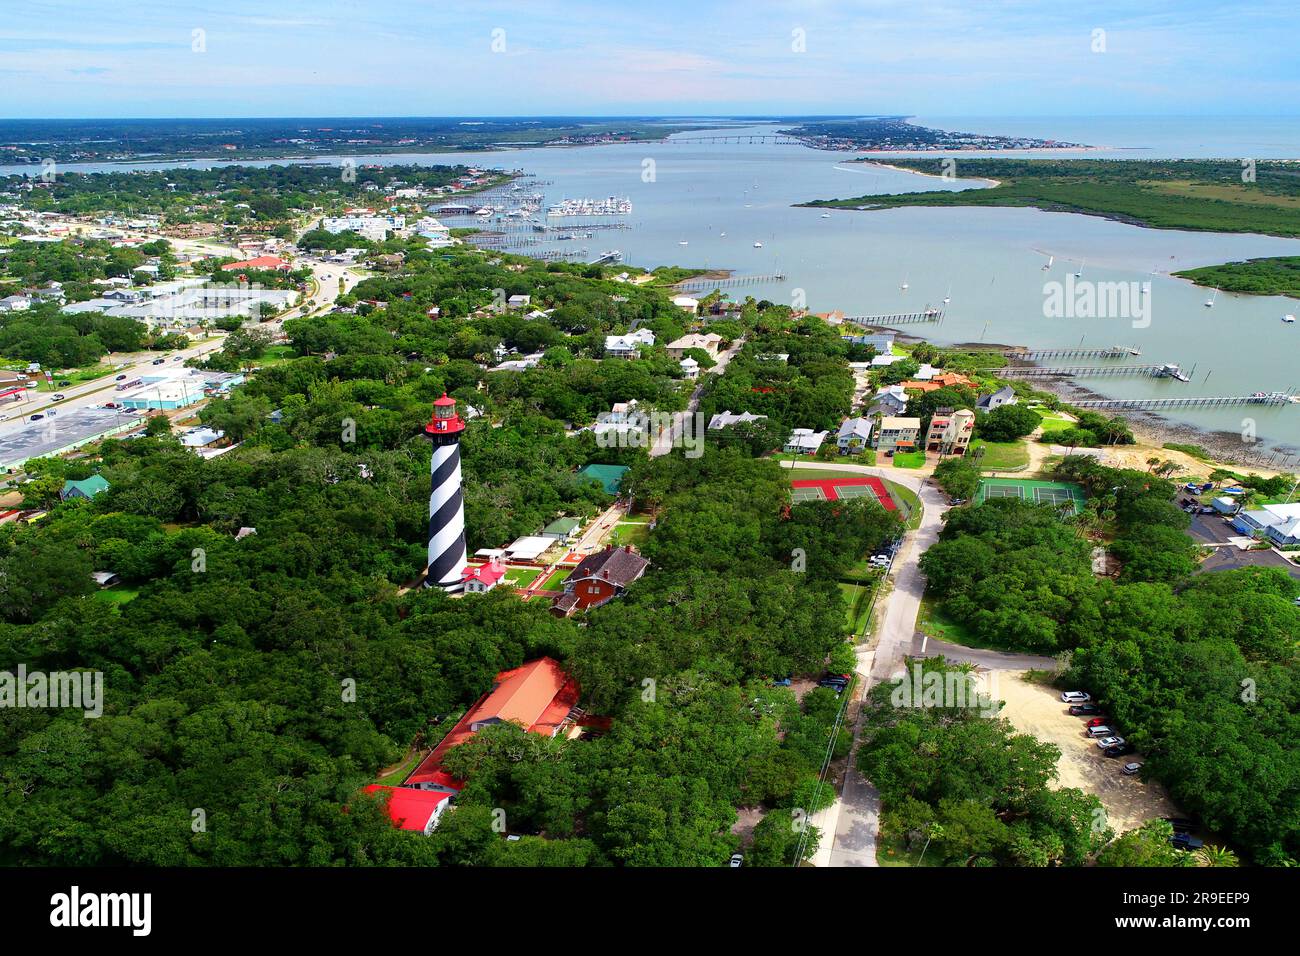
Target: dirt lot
(1037, 710)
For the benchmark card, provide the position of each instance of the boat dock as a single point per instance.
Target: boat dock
(1035, 371)
(1259, 398)
(705, 285)
(896, 318)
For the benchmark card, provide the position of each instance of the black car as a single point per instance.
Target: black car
(1185, 841)
(833, 685)
(1085, 710)
(1181, 824)
(159, 361)
(119, 378)
(1119, 750)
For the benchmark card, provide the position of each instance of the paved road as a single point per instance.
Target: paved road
(850, 826)
(665, 441)
(1229, 559)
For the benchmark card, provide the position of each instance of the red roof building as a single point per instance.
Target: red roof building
(539, 696)
(417, 810)
(598, 579)
(260, 262)
(483, 577)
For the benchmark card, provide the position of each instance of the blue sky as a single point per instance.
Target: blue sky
(91, 58)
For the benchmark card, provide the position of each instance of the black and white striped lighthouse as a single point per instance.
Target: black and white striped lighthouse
(446, 502)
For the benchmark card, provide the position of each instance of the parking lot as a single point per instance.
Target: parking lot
(1036, 709)
(1230, 559)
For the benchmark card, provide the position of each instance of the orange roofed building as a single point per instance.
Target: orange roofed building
(938, 382)
(539, 696)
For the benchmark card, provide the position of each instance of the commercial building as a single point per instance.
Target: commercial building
(374, 228)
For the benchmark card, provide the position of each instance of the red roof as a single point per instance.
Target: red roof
(485, 573)
(411, 809)
(261, 262)
(829, 486)
(538, 696)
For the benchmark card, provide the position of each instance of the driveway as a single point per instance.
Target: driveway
(1211, 529)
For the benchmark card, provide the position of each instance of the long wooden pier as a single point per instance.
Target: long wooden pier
(1259, 398)
(896, 318)
(1036, 371)
(704, 285)
(1028, 354)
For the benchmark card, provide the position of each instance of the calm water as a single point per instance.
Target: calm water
(989, 260)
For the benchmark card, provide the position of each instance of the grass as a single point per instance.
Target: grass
(907, 499)
(1001, 455)
(932, 620)
(521, 577)
(634, 533)
(857, 605)
(1158, 194)
(401, 773)
(556, 581)
(118, 594)
(909, 459)
(1053, 422)
(893, 851)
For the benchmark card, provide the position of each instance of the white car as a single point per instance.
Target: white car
(1075, 697)
(1130, 769)
(737, 859)
(1101, 730)
(1105, 742)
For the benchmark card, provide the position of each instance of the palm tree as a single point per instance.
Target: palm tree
(1210, 855)
(1152, 462)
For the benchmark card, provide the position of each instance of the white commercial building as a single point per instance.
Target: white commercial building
(374, 228)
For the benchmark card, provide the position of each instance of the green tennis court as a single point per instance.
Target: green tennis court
(807, 494)
(1056, 493)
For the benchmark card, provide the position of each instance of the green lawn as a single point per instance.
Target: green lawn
(556, 581)
(1000, 455)
(932, 621)
(857, 605)
(634, 533)
(521, 577)
(1053, 422)
(908, 499)
(909, 459)
(399, 775)
(119, 594)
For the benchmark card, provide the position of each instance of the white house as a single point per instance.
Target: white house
(804, 441)
(690, 368)
(626, 346)
(687, 304)
(1279, 523)
(727, 419)
(1003, 396)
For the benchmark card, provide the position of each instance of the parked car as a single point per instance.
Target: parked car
(1084, 710)
(1099, 730)
(1105, 743)
(1075, 697)
(1185, 841)
(1095, 722)
(64, 384)
(1119, 750)
(1130, 769)
(737, 859)
(781, 682)
(838, 688)
(110, 404)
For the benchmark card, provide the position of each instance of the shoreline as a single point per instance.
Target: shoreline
(1151, 428)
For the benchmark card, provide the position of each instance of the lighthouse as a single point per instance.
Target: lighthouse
(446, 502)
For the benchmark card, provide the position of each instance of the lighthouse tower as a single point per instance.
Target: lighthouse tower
(446, 503)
